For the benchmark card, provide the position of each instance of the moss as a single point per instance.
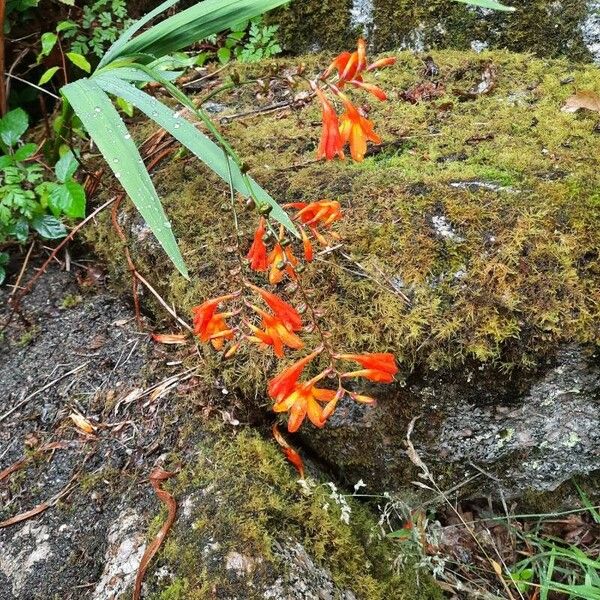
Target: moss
(542, 26)
(518, 277)
(245, 500)
(71, 301)
(28, 336)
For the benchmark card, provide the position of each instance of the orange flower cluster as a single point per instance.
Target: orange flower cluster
(352, 127)
(304, 399)
(277, 324)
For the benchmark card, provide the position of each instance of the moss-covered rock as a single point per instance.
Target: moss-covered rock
(470, 236)
(544, 27)
(246, 529)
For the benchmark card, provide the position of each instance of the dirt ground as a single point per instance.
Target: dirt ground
(75, 349)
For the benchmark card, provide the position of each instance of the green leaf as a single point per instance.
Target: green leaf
(68, 198)
(65, 26)
(199, 144)
(48, 75)
(109, 133)
(6, 160)
(492, 4)
(117, 48)
(190, 25)
(13, 125)
(49, 227)
(223, 54)
(79, 61)
(24, 152)
(48, 41)
(125, 106)
(65, 168)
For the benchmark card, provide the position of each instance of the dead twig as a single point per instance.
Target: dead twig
(22, 271)
(156, 478)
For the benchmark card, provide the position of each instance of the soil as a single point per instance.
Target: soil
(75, 349)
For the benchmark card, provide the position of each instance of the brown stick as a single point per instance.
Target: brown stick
(156, 478)
(3, 98)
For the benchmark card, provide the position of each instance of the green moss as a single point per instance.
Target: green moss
(244, 499)
(541, 26)
(71, 301)
(518, 277)
(28, 336)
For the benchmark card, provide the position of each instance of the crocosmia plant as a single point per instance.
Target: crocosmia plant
(256, 315)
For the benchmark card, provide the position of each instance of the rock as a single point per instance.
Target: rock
(514, 436)
(479, 275)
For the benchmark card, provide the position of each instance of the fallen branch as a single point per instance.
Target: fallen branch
(156, 478)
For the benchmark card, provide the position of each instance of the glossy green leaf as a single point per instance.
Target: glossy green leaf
(68, 198)
(79, 61)
(491, 4)
(66, 166)
(24, 152)
(48, 75)
(199, 144)
(49, 227)
(48, 41)
(107, 130)
(13, 125)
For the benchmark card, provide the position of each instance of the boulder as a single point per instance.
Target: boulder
(470, 251)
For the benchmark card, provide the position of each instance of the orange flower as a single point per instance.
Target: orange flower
(380, 367)
(303, 402)
(275, 333)
(282, 385)
(308, 249)
(257, 255)
(356, 129)
(284, 311)
(323, 212)
(349, 65)
(372, 89)
(382, 62)
(331, 143)
(289, 452)
(210, 325)
(281, 260)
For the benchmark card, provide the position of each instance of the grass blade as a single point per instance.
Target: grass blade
(109, 133)
(199, 144)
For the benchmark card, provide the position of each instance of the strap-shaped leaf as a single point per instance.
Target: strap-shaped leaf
(115, 49)
(109, 133)
(491, 4)
(189, 26)
(193, 139)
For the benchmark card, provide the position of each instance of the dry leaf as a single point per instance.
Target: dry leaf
(497, 568)
(582, 99)
(156, 478)
(82, 423)
(170, 338)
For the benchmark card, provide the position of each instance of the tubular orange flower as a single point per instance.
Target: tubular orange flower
(210, 325)
(308, 249)
(356, 129)
(289, 452)
(281, 260)
(284, 311)
(382, 62)
(283, 384)
(379, 367)
(257, 255)
(331, 143)
(323, 212)
(303, 402)
(275, 333)
(372, 89)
